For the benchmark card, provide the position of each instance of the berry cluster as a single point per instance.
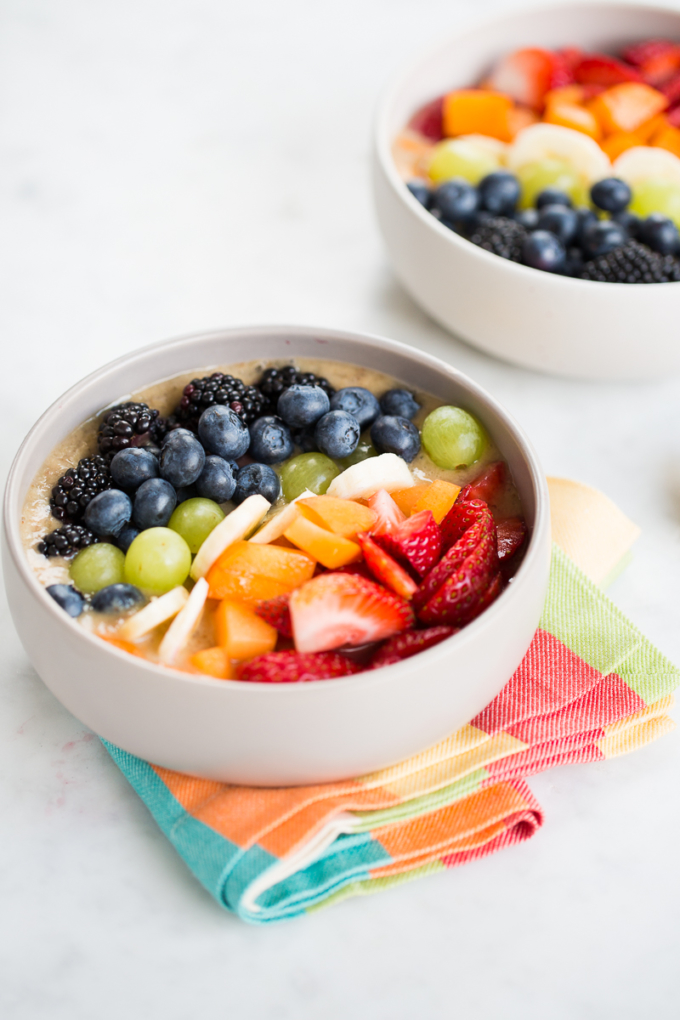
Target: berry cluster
(275, 380)
(129, 424)
(66, 541)
(248, 402)
(78, 486)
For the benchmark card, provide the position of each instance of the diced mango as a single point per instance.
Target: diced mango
(341, 516)
(331, 550)
(651, 128)
(406, 499)
(520, 117)
(577, 118)
(250, 573)
(213, 662)
(439, 498)
(477, 112)
(619, 142)
(627, 106)
(241, 632)
(574, 94)
(668, 139)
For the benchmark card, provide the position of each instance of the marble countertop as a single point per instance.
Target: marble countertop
(171, 166)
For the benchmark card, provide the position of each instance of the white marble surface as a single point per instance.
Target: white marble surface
(169, 166)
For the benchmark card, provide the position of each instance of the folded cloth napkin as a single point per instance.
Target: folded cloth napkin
(590, 687)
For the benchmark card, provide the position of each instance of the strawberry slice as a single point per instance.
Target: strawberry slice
(656, 59)
(429, 120)
(276, 612)
(385, 569)
(474, 553)
(403, 646)
(673, 117)
(292, 667)
(671, 89)
(462, 516)
(487, 486)
(487, 597)
(510, 534)
(416, 542)
(528, 74)
(334, 609)
(599, 69)
(455, 601)
(388, 513)
(570, 56)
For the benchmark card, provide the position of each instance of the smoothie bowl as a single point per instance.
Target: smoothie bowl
(276, 555)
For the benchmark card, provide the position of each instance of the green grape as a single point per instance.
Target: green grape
(158, 559)
(455, 157)
(363, 451)
(551, 173)
(656, 196)
(313, 471)
(96, 566)
(452, 438)
(194, 519)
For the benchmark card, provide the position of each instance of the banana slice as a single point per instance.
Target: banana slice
(494, 146)
(239, 523)
(644, 163)
(182, 627)
(153, 614)
(364, 479)
(276, 526)
(550, 141)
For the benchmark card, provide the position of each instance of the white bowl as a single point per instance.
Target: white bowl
(261, 733)
(556, 324)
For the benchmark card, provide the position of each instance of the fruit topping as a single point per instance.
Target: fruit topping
(126, 537)
(337, 434)
(293, 667)
(627, 107)
(153, 504)
(274, 381)
(182, 627)
(438, 497)
(456, 201)
(416, 542)
(66, 541)
(334, 610)
(632, 263)
(300, 406)
(130, 467)
(117, 599)
(543, 250)
(251, 573)
(428, 120)
(257, 480)
(158, 560)
(276, 612)
(217, 480)
(221, 431)
(213, 662)
(453, 438)
(78, 486)
(363, 480)
(341, 516)
(403, 646)
(501, 237)
(270, 440)
(248, 402)
(96, 567)
(195, 519)
(401, 403)
(357, 401)
(488, 486)
(511, 534)
(66, 596)
(460, 157)
(129, 424)
(307, 472)
(276, 525)
(155, 613)
(182, 458)
(656, 59)
(236, 526)
(600, 69)
(386, 569)
(388, 514)
(330, 550)
(611, 194)
(527, 75)
(242, 631)
(478, 111)
(390, 434)
(660, 234)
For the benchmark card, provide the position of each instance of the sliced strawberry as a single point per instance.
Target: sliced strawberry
(528, 74)
(389, 514)
(276, 612)
(671, 89)
(455, 601)
(474, 552)
(416, 542)
(462, 516)
(336, 609)
(385, 569)
(487, 597)
(429, 120)
(657, 59)
(488, 485)
(292, 667)
(570, 56)
(599, 69)
(403, 646)
(511, 535)
(673, 117)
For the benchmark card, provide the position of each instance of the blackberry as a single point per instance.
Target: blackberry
(246, 401)
(129, 424)
(275, 380)
(501, 236)
(632, 262)
(66, 541)
(78, 486)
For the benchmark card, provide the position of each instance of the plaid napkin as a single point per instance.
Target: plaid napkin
(590, 687)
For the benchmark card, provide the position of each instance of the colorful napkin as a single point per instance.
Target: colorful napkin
(590, 687)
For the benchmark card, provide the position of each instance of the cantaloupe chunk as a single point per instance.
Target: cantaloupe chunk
(627, 106)
(574, 94)
(577, 118)
(331, 550)
(249, 573)
(213, 662)
(669, 139)
(438, 498)
(619, 142)
(651, 127)
(477, 112)
(406, 499)
(341, 516)
(241, 632)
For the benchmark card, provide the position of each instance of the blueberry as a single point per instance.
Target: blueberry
(108, 513)
(304, 438)
(127, 537)
(270, 440)
(131, 467)
(542, 250)
(399, 403)
(573, 263)
(172, 436)
(528, 218)
(560, 220)
(499, 193)
(337, 434)
(660, 234)
(420, 192)
(611, 194)
(393, 434)
(68, 597)
(602, 237)
(185, 492)
(117, 598)
(183, 457)
(222, 432)
(257, 479)
(358, 402)
(216, 481)
(154, 502)
(586, 217)
(455, 200)
(629, 221)
(302, 405)
(552, 196)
